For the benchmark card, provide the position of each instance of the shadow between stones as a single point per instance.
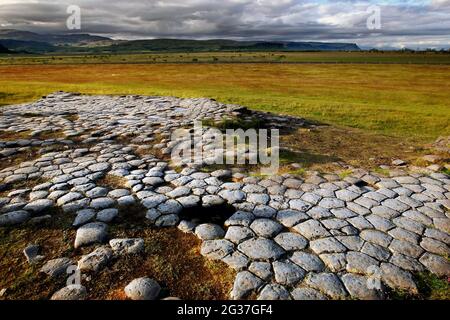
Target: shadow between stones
(361, 184)
(216, 214)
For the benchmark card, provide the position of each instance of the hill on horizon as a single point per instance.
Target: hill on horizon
(4, 49)
(26, 41)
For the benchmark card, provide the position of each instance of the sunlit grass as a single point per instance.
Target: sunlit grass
(410, 101)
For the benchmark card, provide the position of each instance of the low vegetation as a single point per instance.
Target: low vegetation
(172, 258)
(402, 100)
(430, 287)
(231, 57)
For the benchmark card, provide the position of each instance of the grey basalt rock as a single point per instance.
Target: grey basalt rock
(327, 283)
(436, 264)
(107, 215)
(266, 228)
(31, 253)
(102, 203)
(187, 226)
(212, 201)
(274, 292)
(263, 270)
(358, 287)
(236, 261)
(69, 197)
(95, 260)
(397, 278)
(290, 241)
(56, 267)
(232, 196)
(261, 249)
(97, 192)
(189, 201)
(290, 218)
(168, 220)
(127, 246)
(38, 206)
(287, 273)
(209, 231)
(240, 218)
(14, 218)
(244, 284)
(216, 249)
(83, 217)
(143, 289)
(307, 261)
(170, 207)
(317, 238)
(95, 232)
(305, 294)
(311, 229)
(71, 292)
(238, 234)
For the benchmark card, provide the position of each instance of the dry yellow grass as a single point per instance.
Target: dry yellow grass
(401, 100)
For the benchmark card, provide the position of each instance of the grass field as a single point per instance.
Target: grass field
(403, 100)
(235, 57)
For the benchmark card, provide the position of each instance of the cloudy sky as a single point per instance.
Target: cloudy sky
(408, 23)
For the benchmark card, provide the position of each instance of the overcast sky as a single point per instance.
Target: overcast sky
(414, 24)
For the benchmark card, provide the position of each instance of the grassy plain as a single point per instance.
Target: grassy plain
(403, 100)
(234, 57)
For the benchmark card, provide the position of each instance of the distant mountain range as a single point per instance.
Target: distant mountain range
(30, 42)
(4, 49)
(53, 39)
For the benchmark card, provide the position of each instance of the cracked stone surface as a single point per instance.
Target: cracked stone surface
(320, 237)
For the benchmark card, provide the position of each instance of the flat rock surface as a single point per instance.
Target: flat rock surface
(317, 237)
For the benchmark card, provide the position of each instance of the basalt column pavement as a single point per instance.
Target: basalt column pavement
(320, 237)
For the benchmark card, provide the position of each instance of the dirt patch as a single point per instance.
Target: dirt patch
(29, 155)
(27, 184)
(72, 117)
(171, 257)
(45, 135)
(14, 135)
(112, 181)
(21, 280)
(321, 148)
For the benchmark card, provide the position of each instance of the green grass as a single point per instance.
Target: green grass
(233, 57)
(346, 173)
(383, 172)
(408, 101)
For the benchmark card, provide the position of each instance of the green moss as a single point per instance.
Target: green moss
(298, 172)
(432, 287)
(429, 285)
(345, 174)
(383, 172)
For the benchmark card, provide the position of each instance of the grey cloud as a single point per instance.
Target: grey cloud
(422, 24)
